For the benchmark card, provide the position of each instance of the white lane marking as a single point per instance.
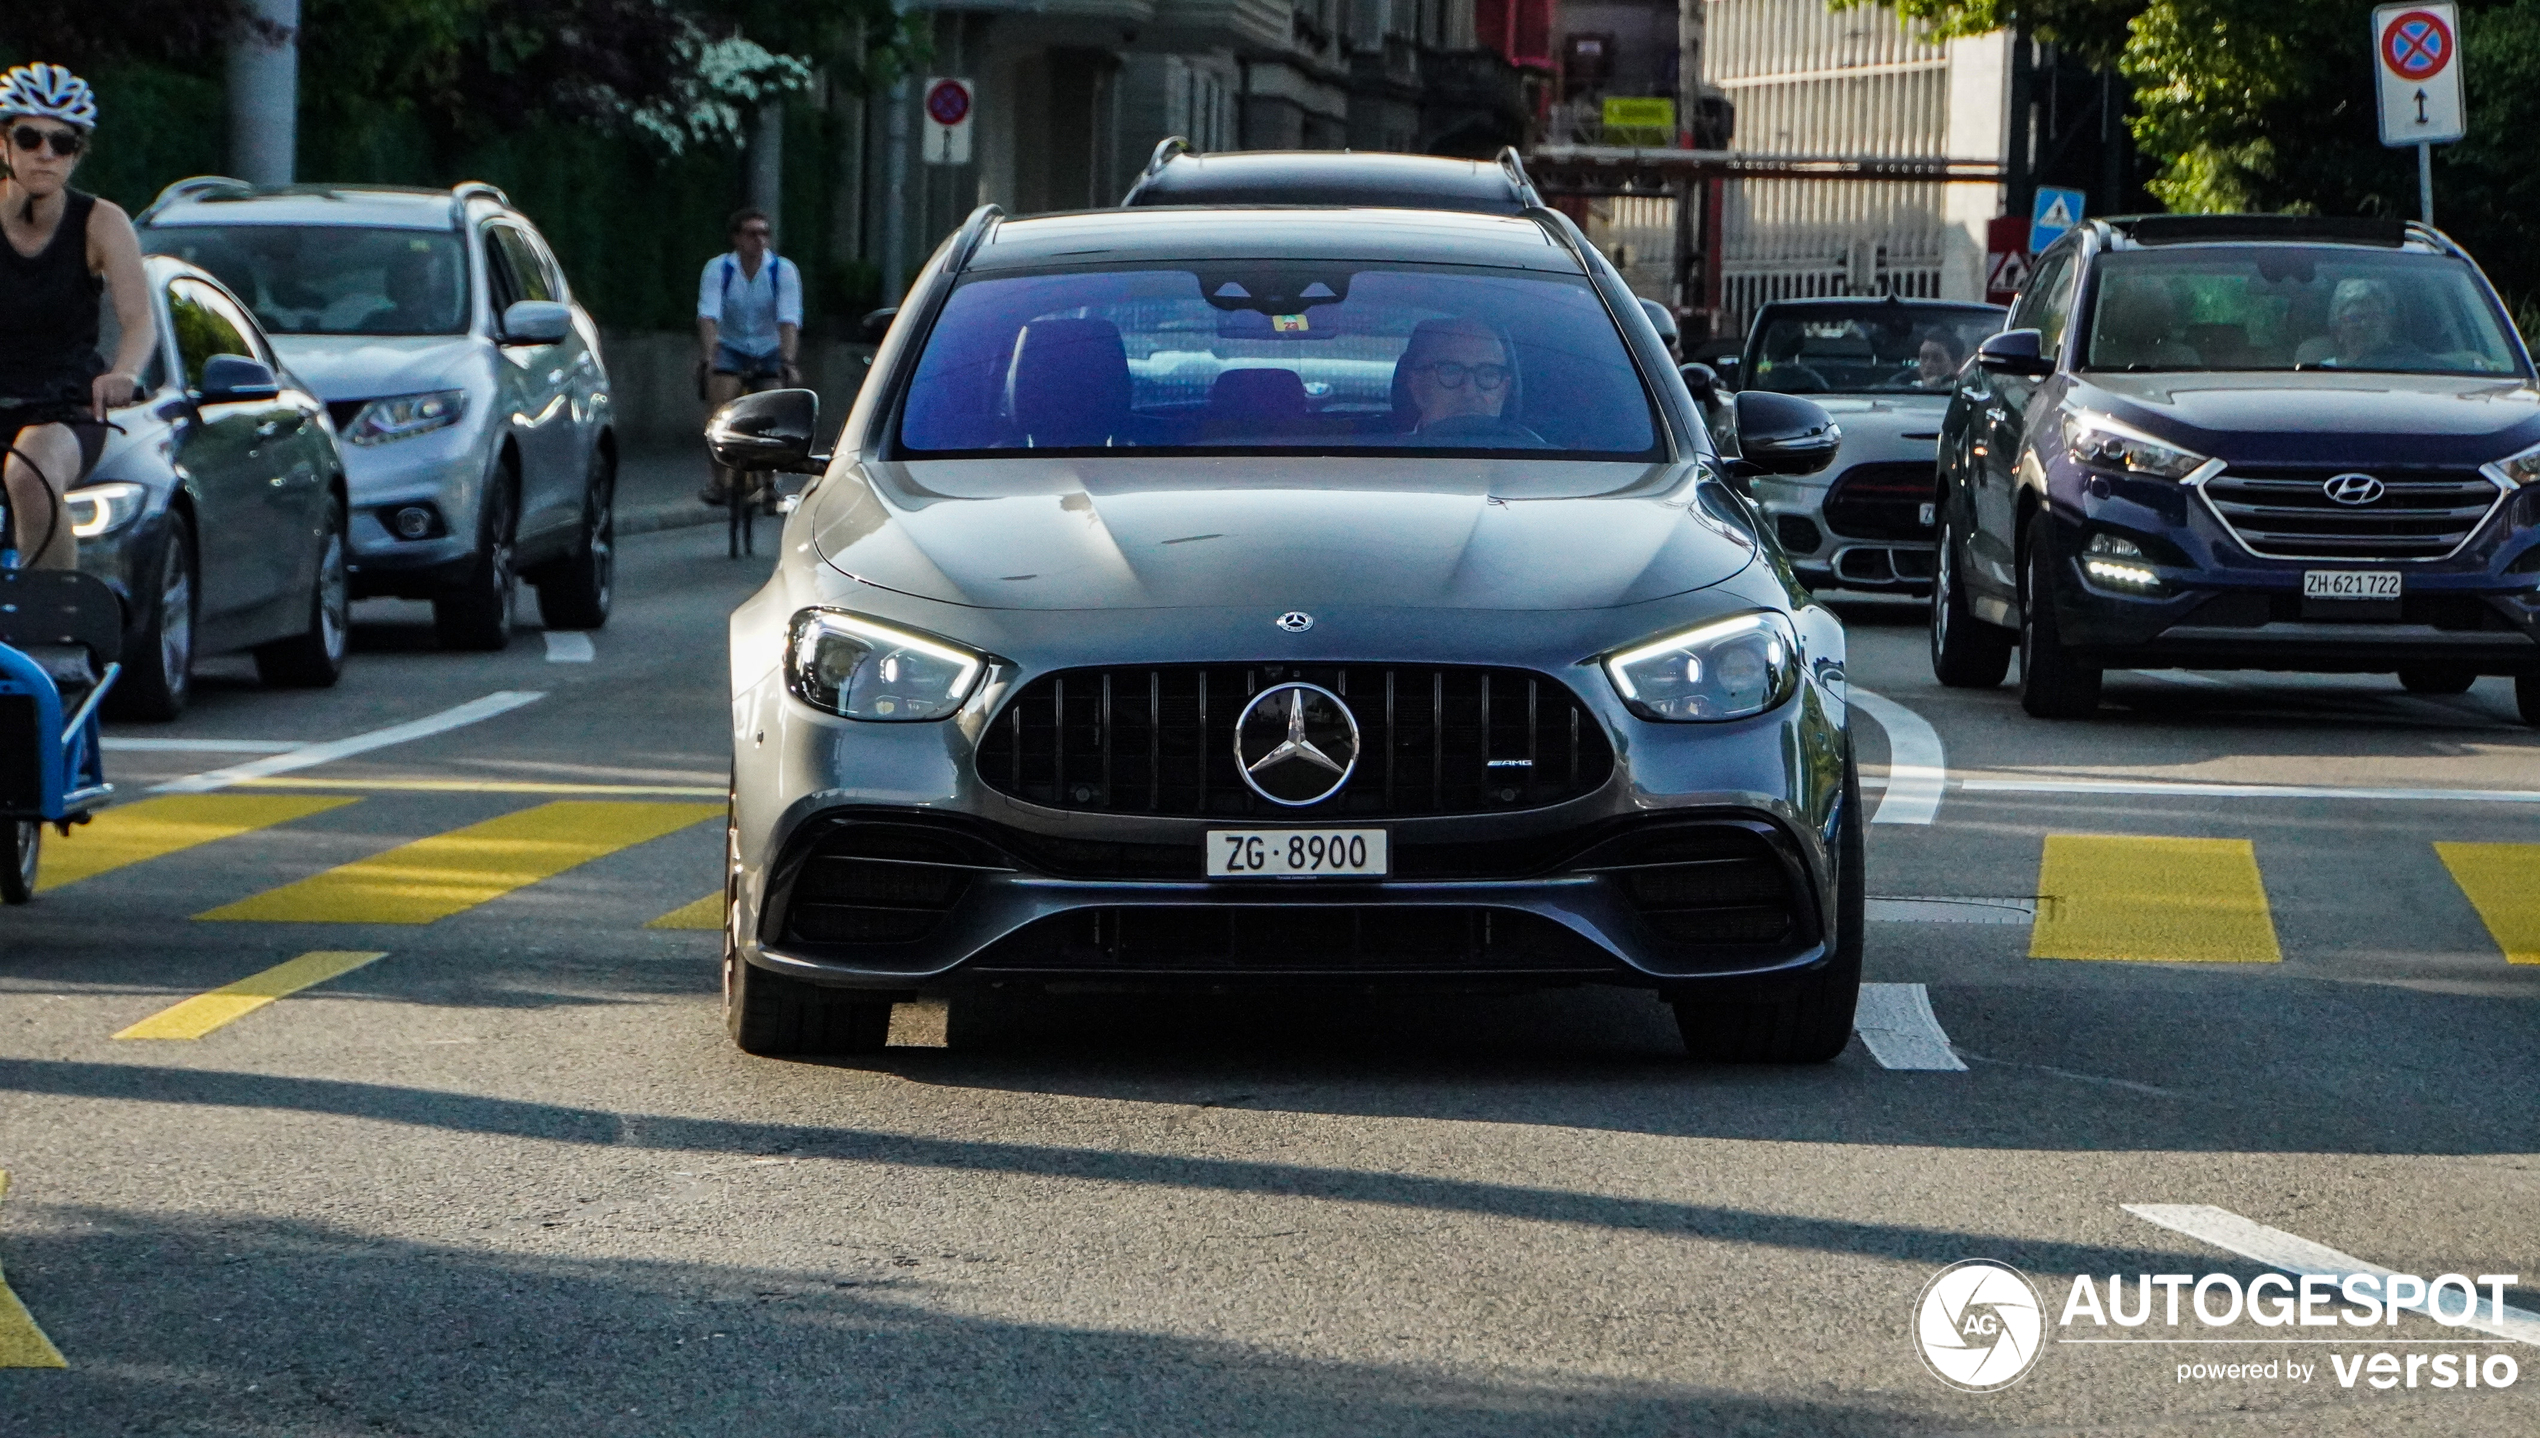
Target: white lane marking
(1916, 766)
(569, 646)
(200, 746)
(2242, 791)
(1896, 1024)
(502, 701)
(2299, 1256)
(1952, 910)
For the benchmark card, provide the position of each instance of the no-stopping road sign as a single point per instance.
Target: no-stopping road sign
(947, 137)
(2416, 50)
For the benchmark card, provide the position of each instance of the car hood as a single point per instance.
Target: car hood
(341, 367)
(1287, 533)
(2324, 417)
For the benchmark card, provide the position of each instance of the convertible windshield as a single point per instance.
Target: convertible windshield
(2282, 307)
(1328, 357)
(331, 279)
(1868, 348)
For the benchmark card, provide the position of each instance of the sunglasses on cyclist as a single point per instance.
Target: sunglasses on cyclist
(31, 138)
(1451, 375)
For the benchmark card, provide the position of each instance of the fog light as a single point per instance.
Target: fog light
(412, 522)
(2113, 560)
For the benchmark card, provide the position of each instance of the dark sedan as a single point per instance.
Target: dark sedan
(217, 513)
(1301, 597)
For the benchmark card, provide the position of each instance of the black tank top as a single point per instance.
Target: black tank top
(48, 316)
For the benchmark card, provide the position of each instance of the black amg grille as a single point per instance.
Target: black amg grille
(1353, 941)
(2285, 512)
(880, 884)
(1162, 741)
(1882, 501)
(1707, 885)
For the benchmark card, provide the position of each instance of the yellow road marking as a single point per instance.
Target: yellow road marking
(229, 1003)
(2503, 886)
(705, 913)
(131, 833)
(487, 786)
(22, 1344)
(2181, 901)
(451, 873)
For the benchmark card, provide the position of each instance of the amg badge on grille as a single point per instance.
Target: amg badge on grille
(1295, 744)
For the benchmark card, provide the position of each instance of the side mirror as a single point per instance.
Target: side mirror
(1704, 381)
(1784, 434)
(878, 323)
(1663, 320)
(2017, 352)
(536, 322)
(771, 430)
(228, 379)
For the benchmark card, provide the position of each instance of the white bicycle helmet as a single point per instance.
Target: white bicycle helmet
(48, 92)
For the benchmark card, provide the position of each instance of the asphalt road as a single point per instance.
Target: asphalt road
(509, 1177)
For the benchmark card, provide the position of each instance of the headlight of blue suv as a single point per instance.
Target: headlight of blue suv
(406, 415)
(101, 509)
(852, 666)
(2523, 468)
(2102, 443)
(1726, 669)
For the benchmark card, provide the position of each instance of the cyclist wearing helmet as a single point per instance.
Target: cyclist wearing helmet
(63, 248)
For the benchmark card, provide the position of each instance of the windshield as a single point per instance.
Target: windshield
(1869, 348)
(2282, 307)
(1328, 357)
(331, 279)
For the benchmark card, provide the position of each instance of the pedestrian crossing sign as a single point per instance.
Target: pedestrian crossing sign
(2055, 212)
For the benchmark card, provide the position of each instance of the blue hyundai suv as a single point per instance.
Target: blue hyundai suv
(2243, 442)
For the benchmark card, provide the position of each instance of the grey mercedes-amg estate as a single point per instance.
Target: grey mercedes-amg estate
(1309, 597)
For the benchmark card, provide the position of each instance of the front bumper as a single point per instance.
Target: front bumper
(443, 471)
(1879, 548)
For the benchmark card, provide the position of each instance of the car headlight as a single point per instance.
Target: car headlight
(2523, 468)
(406, 415)
(1726, 669)
(101, 509)
(2101, 442)
(852, 666)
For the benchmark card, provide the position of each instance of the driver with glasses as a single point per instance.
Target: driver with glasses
(1458, 369)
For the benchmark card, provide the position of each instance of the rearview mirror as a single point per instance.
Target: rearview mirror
(228, 379)
(1784, 434)
(878, 323)
(2019, 352)
(536, 322)
(771, 430)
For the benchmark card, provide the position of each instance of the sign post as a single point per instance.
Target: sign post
(2416, 50)
(947, 137)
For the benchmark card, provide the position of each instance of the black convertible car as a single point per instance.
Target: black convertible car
(1299, 596)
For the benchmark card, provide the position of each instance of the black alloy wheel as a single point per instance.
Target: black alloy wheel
(774, 1016)
(2437, 679)
(1812, 1022)
(314, 658)
(477, 613)
(1966, 652)
(21, 853)
(575, 592)
(158, 655)
(2053, 685)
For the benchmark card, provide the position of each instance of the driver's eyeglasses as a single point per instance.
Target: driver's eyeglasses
(1450, 375)
(752, 232)
(31, 138)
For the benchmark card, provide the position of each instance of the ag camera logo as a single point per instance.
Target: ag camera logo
(1979, 1325)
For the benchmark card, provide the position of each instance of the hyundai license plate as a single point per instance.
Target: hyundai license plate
(1296, 853)
(2365, 584)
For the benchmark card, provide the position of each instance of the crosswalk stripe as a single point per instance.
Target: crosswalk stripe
(2187, 901)
(451, 873)
(705, 913)
(229, 1003)
(2503, 884)
(131, 833)
(22, 1344)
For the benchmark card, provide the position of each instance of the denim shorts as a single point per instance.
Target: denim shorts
(728, 360)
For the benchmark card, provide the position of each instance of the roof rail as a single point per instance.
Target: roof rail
(1165, 150)
(1566, 233)
(1513, 165)
(966, 240)
(466, 190)
(188, 188)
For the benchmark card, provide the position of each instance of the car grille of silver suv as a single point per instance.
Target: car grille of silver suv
(2287, 512)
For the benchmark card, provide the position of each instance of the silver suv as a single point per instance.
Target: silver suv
(465, 384)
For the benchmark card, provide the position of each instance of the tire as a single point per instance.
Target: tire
(2527, 698)
(314, 659)
(158, 657)
(21, 852)
(2437, 679)
(773, 1016)
(477, 613)
(575, 592)
(2052, 684)
(1811, 1023)
(1966, 652)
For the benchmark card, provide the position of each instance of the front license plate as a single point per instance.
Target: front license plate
(2367, 584)
(1296, 853)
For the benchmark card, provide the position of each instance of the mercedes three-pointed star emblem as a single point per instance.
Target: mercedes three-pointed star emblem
(1296, 744)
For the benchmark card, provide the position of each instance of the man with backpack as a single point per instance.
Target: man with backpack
(749, 327)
